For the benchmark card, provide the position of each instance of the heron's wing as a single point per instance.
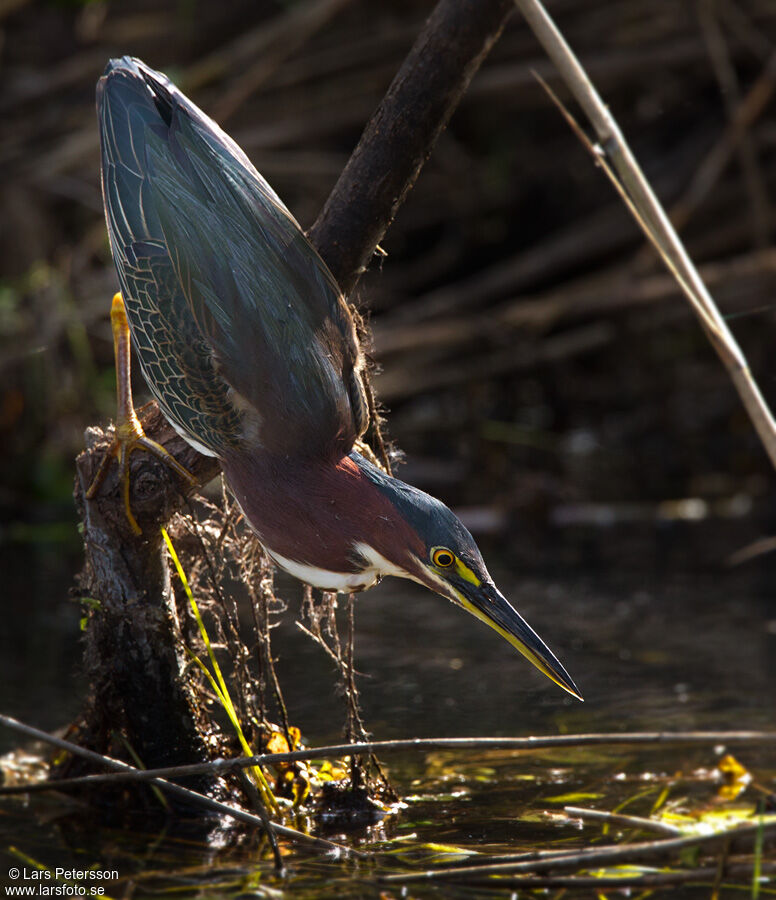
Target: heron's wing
(241, 329)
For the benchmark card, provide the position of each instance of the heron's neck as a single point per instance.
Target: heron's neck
(333, 516)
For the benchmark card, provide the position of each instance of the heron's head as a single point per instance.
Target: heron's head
(442, 555)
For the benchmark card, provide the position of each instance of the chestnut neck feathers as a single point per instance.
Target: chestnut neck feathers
(317, 512)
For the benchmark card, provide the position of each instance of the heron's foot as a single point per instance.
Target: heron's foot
(129, 434)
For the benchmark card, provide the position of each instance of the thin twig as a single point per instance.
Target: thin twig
(721, 866)
(624, 881)
(587, 859)
(229, 625)
(318, 640)
(376, 424)
(266, 594)
(527, 744)
(600, 815)
(354, 726)
(258, 804)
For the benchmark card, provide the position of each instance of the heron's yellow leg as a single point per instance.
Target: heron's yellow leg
(128, 434)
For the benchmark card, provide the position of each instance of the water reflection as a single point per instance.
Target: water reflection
(39, 638)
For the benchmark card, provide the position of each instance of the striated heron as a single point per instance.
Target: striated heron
(251, 352)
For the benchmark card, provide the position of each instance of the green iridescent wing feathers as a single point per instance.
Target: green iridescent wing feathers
(240, 328)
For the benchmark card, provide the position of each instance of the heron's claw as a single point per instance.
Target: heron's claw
(120, 448)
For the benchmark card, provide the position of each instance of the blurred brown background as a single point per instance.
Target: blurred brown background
(541, 371)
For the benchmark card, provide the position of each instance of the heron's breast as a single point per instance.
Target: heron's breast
(324, 523)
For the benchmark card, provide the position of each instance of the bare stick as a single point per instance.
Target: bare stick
(600, 815)
(200, 800)
(648, 879)
(255, 797)
(527, 744)
(653, 218)
(629, 853)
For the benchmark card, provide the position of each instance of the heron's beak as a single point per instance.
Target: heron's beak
(487, 603)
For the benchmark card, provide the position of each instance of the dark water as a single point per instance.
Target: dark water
(39, 637)
(675, 650)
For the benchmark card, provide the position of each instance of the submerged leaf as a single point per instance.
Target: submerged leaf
(572, 798)
(713, 819)
(736, 778)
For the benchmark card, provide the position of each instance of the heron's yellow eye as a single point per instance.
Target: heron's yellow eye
(442, 557)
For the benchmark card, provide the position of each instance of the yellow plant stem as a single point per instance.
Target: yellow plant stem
(218, 683)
